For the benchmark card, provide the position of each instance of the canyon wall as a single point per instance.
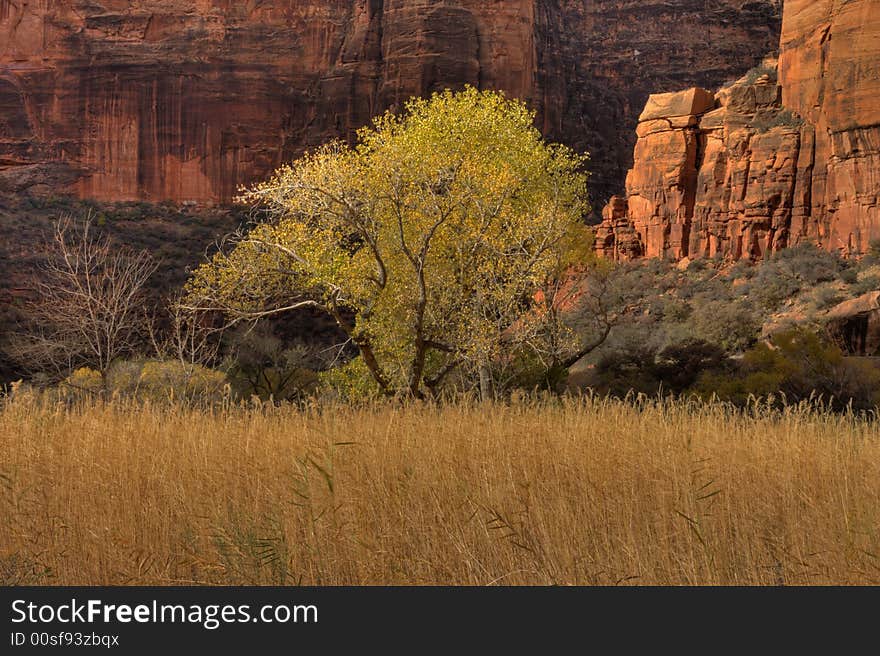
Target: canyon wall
(788, 154)
(187, 100)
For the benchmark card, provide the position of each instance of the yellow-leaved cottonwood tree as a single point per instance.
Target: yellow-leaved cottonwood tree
(426, 241)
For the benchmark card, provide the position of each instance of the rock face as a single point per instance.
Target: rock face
(189, 99)
(662, 187)
(714, 175)
(830, 72)
(855, 325)
(778, 158)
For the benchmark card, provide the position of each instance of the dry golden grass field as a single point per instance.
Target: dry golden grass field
(581, 491)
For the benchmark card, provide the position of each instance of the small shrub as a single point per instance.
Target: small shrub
(263, 365)
(351, 382)
(732, 324)
(825, 296)
(784, 118)
(872, 257)
(644, 370)
(867, 280)
(620, 373)
(742, 270)
(85, 380)
(759, 71)
(679, 366)
(792, 270)
(849, 275)
(799, 366)
(161, 380)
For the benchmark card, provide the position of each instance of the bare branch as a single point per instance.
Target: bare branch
(89, 303)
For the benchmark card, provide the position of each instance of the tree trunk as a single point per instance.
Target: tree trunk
(486, 392)
(417, 370)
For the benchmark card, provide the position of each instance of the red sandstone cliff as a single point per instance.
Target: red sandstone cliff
(188, 99)
(768, 162)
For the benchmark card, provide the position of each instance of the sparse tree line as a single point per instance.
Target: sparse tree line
(449, 249)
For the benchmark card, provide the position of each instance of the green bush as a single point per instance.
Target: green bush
(867, 279)
(153, 380)
(83, 382)
(679, 366)
(791, 271)
(783, 118)
(620, 373)
(825, 296)
(797, 365)
(673, 369)
(733, 324)
(759, 71)
(262, 364)
(163, 380)
(174, 380)
(872, 257)
(351, 382)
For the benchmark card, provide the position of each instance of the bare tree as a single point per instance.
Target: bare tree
(574, 314)
(89, 305)
(190, 337)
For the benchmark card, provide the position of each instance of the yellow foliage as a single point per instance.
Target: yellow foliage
(85, 380)
(433, 232)
(171, 379)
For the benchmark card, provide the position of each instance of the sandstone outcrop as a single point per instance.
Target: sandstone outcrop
(786, 155)
(855, 325)
(830, 73)
(189, 99)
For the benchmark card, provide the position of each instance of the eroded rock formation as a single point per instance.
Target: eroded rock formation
(779, 158)
(854, 325)
(189, 99)
(830, 72)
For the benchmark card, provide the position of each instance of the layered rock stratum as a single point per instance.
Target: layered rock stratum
(789, 154)
(186, 100)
